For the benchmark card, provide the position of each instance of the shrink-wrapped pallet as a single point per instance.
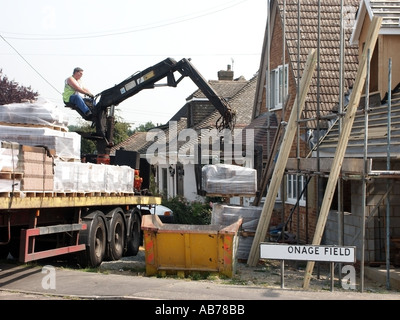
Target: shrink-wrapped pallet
(97, 177)
(224, 179)
(119, 179)
(25, 168)
(36, 164)
(64, 176)
(39, 112)
(89, 177)
(224, 215)
(67, 145)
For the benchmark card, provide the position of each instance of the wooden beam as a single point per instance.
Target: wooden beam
(267, 172)
(372, 36)
(276, 179)
(310, 165)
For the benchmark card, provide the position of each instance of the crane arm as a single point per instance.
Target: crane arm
(147, 79)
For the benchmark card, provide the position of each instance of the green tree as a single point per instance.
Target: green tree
(189, 212)
(145, 127)
(87, 146)
(121, 132)
(12, 92)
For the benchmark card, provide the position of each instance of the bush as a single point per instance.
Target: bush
(12, 92)
(186, 212)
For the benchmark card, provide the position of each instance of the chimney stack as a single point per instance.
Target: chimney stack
(226, 75)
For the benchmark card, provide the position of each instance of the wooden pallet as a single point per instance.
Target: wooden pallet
(8, 175)
(29, 125)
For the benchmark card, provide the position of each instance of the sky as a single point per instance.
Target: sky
(42, 41)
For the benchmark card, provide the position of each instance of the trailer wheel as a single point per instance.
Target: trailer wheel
(135, 236)
(98, 245)
(95, 241)
(4, 250)
(117, 243)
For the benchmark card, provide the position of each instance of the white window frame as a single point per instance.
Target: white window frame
(291, 189)
(276, 86)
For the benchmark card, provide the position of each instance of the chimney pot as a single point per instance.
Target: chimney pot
(226, 74)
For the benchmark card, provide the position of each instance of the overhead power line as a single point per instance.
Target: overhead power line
(32, 67)
(121, 32)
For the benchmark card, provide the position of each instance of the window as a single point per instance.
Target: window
(277, 87)
(292, 189)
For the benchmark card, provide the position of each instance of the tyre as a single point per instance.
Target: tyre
(117, 243)
(4, 250)
(95, 240)
(135, 236)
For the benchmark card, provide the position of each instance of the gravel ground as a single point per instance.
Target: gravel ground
(266, 274)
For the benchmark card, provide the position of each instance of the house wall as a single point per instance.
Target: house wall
(164, 179)
(306, 217)
(189, 183)
(375, 227)
(276, 59)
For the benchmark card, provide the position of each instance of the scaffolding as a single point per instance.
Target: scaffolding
(319, 167)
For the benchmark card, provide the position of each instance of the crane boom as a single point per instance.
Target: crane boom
(105, 102)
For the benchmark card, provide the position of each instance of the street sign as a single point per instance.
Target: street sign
(281, 251)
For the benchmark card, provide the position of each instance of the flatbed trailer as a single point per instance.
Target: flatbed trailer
(94, 226)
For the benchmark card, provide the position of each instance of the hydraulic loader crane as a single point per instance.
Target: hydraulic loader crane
(103, 104)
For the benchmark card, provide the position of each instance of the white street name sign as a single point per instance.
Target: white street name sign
(280, 251)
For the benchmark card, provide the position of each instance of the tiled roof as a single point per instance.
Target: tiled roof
(389, 10)
(242, 102)
(224, 88)
(136, 142)
(241, 95)
(329, 49)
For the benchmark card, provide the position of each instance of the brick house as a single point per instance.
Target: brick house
(314, 147)
(175, 178)
(281, 69)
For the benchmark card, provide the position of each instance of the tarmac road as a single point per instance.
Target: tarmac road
(21, 282)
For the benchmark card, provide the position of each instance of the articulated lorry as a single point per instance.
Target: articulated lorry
(50, 207)
(52, 203)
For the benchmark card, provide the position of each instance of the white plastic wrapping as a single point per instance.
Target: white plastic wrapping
(8, 156)
(8, 164)
(8, 185)
(228, 179)
(67, 145)
(39, 112)
(119, 179)
(89, 177)
(225, 215)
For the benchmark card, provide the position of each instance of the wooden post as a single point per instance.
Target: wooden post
(343, 141)
(277, 175)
